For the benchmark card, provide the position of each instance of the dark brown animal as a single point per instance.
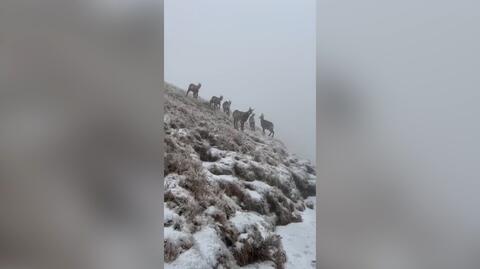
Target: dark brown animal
(194, 89)
(267, 125)
(215, 102)
(242, 117)
(226, 107)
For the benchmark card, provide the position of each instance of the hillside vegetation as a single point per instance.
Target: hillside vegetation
(226, 190)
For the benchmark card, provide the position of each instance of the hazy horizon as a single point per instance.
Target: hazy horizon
(413, 66)
(257, 54)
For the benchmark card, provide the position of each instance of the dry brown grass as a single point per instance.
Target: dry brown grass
(283, 209)
(256, 249)
(174, 249)
(205, 129)
(305, 188)
(178, 163)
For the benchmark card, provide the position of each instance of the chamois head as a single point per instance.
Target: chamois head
(221, 97)
(261, 116)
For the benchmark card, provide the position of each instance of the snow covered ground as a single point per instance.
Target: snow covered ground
(299, 240)
(226, 191)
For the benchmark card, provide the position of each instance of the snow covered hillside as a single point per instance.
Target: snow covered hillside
(226, 191)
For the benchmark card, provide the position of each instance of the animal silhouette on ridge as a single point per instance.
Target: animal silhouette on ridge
(194, 89)
(226, 107)
(242, 117)
(251, 121)
(215, 102)
(267, 125)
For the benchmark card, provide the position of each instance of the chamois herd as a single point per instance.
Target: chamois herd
(239, 117)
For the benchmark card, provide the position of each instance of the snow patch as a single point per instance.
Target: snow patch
(204, 254)
(209, 245)
(299, 240)
(171, 185)
(254, 195)
(261, 265)
(259, 186)
(245, 222)
(174, 236)
(191, 259)
(212, 177)
(216, 153)
(169, 216)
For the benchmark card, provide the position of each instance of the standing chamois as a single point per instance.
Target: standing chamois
(242, 117)
(251, 120)
(226, 107)
(194, 89)
(267, 125)
(215, 101)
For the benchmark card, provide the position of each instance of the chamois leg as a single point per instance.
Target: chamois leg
(263, 131)
(187, 92)
(272, 133)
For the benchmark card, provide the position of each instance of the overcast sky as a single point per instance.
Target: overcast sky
(255, 53)
(418, 63)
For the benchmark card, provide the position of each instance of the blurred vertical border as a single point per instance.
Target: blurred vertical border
(81, 134)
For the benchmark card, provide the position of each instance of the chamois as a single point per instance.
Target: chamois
(267, 125)
(251, 120)
(215, 101)
(226, 107)
(194, 89)
(242, 117)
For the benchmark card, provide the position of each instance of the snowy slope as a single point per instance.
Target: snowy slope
(299, 240)
(227, 191)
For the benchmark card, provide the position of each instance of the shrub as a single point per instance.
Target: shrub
(172, 249)
(178, 163)
(283, 209)
(254, 248)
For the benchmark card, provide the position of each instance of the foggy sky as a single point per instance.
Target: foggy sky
(417, 62)
(255, 53)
